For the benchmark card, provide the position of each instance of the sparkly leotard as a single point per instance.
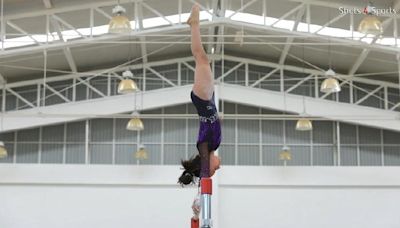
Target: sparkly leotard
(210, 127)
(209, 131)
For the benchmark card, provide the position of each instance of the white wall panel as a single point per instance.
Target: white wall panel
(148, 196)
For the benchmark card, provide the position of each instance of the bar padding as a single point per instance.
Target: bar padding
(195, 223)
(206, 186)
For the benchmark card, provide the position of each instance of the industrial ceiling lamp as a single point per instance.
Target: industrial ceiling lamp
(285, 154)
(370, 24)
(127, 85)
(119, 22)
(141, 154)
(135, 124)
(3, 151)
(331, 84)
(304, 124)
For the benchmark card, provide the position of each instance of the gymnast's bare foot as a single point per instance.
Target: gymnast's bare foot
(194, 15)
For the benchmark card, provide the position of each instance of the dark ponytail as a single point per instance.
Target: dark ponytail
(191, 171)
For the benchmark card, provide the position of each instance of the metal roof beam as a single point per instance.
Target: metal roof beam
(139, 25)
(29, 118)
(76, 7)
(290, 40)
(23, 32)
(273, 65)
(264, 77)
(330, 110)
(243, 7)
(330, 22)
(354, 43)
(102, 12)
(90, 41)
(181, 27)
(66, 50)
(47, 4)
(350, 113)
(289, 13)
(62, 21)
(107, 3)
(211, 31)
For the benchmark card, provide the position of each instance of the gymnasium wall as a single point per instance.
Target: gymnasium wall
(105, 196)
(249, 142)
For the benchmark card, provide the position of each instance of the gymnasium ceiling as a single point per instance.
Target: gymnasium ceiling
(103, 51)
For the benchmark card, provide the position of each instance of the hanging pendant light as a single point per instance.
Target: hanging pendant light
(285, 154)
(331, 84)
(3, 151)
(127, 85)
(141, 154)
(135, 124)
(370, 24)
(304, 124)
(119, 22)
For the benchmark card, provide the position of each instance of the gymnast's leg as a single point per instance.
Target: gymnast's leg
(203, 79)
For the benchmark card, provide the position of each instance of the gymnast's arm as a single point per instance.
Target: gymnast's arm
(204, 159)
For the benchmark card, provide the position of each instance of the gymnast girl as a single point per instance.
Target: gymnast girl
(206, 162)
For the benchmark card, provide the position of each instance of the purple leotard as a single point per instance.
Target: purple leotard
(210, 126)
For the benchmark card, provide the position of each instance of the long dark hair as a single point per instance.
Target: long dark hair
(191, 171)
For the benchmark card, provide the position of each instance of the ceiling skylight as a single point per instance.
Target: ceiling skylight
(312, 28)
(367, 40)
(43, 38)
(251, 18)
(204, 15)
(98, 30)
(335, 32)
(303, 27)
(159, 21)
(284, 24)
(18, 42)
(389, 41)
(154, 22)
(70, 35)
